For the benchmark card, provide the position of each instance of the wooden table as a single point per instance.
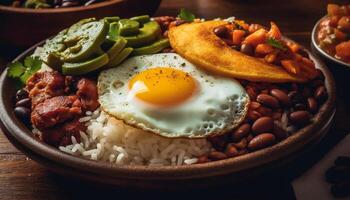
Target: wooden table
(21, 178)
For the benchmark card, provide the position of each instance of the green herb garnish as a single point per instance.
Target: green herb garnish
(186, 15)
(275, 43)
(22, 72)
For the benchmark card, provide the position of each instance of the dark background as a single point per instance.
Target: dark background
(21, 178)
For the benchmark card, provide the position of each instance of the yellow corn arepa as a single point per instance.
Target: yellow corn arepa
(198, 43)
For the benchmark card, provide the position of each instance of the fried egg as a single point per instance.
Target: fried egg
(167, 95)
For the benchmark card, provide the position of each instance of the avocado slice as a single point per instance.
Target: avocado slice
(141, 19)
(147, 34)
(128, 27)
(116, 48)
(112, 19)
(87, 38)
(77, 43)
(113, 32)
(120, 57)
(85, 67)
(152, 48)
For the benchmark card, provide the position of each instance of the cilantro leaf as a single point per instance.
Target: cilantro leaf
(275, 43)
(186, 15)
(15, 70)
(33, 64)
(22, 72)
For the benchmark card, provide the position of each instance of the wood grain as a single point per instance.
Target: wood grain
(22, 178)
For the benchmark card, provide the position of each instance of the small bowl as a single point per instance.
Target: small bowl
(317, 49)
(23, 27)
(235, 169)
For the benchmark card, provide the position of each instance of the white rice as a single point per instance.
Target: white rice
(110, 140)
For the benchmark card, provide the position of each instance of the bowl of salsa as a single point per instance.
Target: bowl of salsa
(331, 35)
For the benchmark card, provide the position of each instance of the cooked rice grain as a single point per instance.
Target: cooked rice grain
(108, 139)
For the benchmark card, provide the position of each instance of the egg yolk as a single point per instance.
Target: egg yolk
(163, 86)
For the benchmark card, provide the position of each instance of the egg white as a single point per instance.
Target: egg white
(218, 105)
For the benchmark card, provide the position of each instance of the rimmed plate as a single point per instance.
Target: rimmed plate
(236, 169)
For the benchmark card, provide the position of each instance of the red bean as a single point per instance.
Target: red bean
(241, 144)
(254, 105)
(277, 115)
(253, 115)
(264, 111)
(320, 93)
(281, 96)
(203, 159)
(216, 155)
(241, 131)
(312, 104)
(221, 31)
(267, 100)
(300, 117)
(261, 141)
(231, 151)
(263, 124)
(247, 49)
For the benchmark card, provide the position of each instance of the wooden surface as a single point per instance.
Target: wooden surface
(21, 178)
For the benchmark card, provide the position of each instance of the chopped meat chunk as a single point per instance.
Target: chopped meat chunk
(55, 110)
(58, 102)
(61, 135)
(87, 92)
(44, 85)
(71, 83)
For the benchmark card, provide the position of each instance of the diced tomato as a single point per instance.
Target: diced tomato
(294, 47)
(271, 57)
(340, 35)
(291, 66)
(333, 9)
(274, 32)
(256, 38)
(237, 36)
(229, 27)
(344, 24)
(333, 21)
(343, 50)
(308, 62)
(263, 49)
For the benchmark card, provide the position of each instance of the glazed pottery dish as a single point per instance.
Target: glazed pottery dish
(152, 102)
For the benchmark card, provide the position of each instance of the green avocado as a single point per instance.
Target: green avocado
(116, 48)
(120, 57)
(77, 43)
(111, 19)
(152, 48)
(85, 67)
(82, 41)
(147, 34)
(128, 27)
(141, 19)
